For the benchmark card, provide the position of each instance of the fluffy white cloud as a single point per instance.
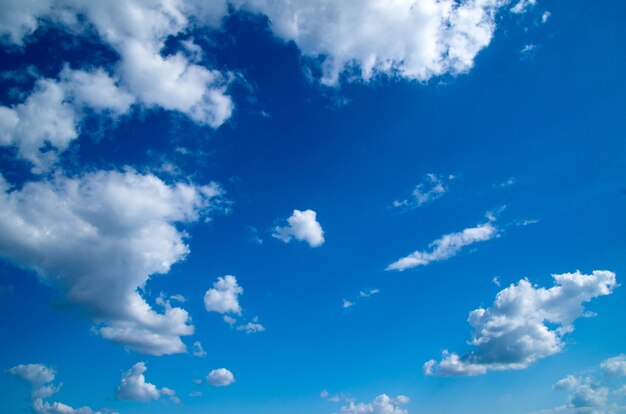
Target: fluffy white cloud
(431, 189)
(224, 296)
(40, 378)
(383, 404)
(45, 118)
(302, 226)
(446, 246)
(133, 386)
(220, 377)
(524, 324)
(615, 367)
(98, 238)
(522, 6)
(414, 40)
(96, 89)
(137, 30)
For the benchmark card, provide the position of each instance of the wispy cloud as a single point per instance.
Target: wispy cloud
(430, 189)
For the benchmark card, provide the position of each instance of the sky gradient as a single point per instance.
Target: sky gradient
(382, 207)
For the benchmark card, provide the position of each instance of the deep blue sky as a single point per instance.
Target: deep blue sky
(552, 119)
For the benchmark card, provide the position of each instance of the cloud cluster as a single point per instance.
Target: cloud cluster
(223, 298)
(302, 226)
(98, 238)
(137, 31)
(40, 378)
(524, 324)
(133, 386)
(431, 189)
(363, 39)
(446, 246)
(383, 404)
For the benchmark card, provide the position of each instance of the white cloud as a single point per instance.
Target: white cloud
(251, 327)
(133, 386)
(615, 367)
(413, 40)
(382, 404)
(347, 304)
(303, 226)
(429, 190)
(198, 351)
(522, 6)
(525, 323)
(96, 89)
(446, 246)
(224, 296)
(369, 292)
(99, 238)
(545, 16)
(137, 30)
(40, 378)
(44, 118)
(220, 377)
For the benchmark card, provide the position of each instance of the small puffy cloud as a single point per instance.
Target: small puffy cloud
(198, 351)
(383, 404)
(368, 292)
(347, 304)
(545, 16)
(431, 189)
(220, 377)
(40, 378)
(615, 367)
(133, 386)
(99, 238)
(224, 296)
(302, 226)
(446, 246)
(524, 324)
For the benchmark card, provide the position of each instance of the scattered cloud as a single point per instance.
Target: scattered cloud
(133, 386)
(525, 323)
(198, 351)
(40, 378)
(251, 327)
(224, 296)
(522, 6)
(496, 281)
(615, 367)
(507, 183)
(432, 188)
(220, 377)
(446, 246)
(98, 238)
(528, 48)
(383, 404)
(302, 226)
(363, 294)
(545, 16)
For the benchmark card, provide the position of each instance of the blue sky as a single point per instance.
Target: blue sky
(249, 175)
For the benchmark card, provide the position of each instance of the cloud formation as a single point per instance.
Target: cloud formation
(40, 378)
(220, 377)
(365, 39)
(223, 297)
(383, 404)
(98, 238)
(133, 386)
(302, 226)
(524, 324)
(429, 190)
(445, 247)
